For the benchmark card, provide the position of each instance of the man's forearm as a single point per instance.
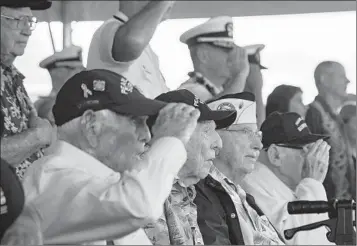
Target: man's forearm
(235, 86)
(132, 38)
(15, 149)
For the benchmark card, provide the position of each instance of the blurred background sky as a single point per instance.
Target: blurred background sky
(295, 44)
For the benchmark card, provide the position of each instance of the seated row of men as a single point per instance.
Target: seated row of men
(174, 170)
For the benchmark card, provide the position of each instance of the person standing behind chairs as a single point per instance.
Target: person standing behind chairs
(25, 134)
(61, 66)
(121, 45)
(322, 118)
(284, 99)
(220, 66)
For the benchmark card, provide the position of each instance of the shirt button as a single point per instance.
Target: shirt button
(233, 215)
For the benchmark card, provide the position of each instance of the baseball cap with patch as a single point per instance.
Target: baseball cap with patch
(100, 89)
(287, 129)
(223, 119)
(243, 103)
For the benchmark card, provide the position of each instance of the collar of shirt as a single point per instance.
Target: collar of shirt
(225, 182)
(120, 16)
(211, 87)
(267, 178)
(11, 71)
(84, 161)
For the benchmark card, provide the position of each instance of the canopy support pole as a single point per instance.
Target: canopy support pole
(67, 28)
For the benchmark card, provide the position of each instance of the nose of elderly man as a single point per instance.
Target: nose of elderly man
(256, 143)
(217, 143)
(144, 133)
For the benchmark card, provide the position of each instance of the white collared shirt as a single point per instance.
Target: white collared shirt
(76, 199)
(144, 72)
(272, 196)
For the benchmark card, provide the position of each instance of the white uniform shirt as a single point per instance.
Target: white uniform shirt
(144, 72)
(76, 199)
(272, 196)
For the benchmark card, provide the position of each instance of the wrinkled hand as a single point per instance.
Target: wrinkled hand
(316, 161)
(176, 120)
(238, 62)
(44, 130)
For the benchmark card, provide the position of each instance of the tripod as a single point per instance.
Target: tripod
(341, 224)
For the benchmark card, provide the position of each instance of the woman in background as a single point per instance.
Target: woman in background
(286, 98)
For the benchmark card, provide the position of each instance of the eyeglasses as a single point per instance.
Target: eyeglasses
(22, 22)
(249, 133)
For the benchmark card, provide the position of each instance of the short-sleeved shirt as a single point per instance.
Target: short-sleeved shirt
(201, 86)
(178, 225)
(16, 110)
(144, 72)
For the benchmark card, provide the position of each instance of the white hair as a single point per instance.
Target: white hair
(71, 130)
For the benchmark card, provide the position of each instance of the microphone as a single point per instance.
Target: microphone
(310, 207)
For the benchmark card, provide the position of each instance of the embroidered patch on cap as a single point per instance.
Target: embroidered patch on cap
(229, 29)
(125, 86)
(226, 106)
(196, 101)
(86, 91)
(99, 85)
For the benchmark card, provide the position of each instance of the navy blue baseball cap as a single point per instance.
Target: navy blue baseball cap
(287, 129)
(222, 119)
(100, 89)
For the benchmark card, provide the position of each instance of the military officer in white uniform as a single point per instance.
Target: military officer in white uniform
(220, 66)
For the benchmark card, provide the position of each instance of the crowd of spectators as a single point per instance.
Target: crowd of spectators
(113, 157)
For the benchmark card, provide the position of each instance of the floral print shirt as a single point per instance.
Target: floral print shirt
(178, 225)
(15, 107)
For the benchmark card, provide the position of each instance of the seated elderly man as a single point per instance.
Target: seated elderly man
(291, 167)
(178, 223)
(106, 178)
(226, 214)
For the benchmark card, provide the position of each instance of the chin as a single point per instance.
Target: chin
(249, 165)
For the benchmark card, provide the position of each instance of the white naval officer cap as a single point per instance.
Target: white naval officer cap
(217, 30)
(68, 57)
(244, 103)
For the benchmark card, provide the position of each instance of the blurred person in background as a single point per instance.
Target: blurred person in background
(322, 118)
(24, 134)
(284, 99)
(178, 224)
(220, 66)
(61, 66)
(255, 81)
(121, 44)
(349, 118)
(291, 167)
(226, 213)
(107, 177)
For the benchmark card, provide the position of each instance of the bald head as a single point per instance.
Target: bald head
(330, 78)
(326, 67)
